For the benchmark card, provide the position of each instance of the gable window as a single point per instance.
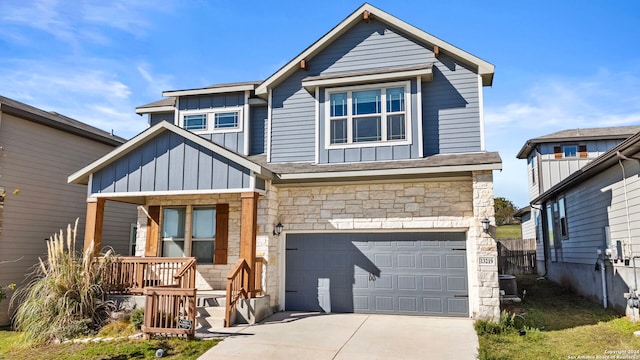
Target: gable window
(371, 114)
(212, 120)
(189, 231)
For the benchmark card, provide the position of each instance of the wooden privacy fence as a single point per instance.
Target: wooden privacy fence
(516, 256)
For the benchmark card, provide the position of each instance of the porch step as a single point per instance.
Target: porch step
(211, 298)
(210, 322)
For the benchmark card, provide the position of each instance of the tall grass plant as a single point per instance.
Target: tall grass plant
(65, 297)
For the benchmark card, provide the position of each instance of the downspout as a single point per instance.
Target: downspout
(545, 237)
(626, 205)
(603, 274)
(633, 296)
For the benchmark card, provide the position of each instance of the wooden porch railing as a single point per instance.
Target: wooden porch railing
(169, 310)
(130, 275)
(169, 287)
(237, 285)
(261, 266)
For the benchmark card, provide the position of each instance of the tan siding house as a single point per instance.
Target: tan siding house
(38, 150)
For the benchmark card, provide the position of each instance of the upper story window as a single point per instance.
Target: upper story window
(570, 151)
(368, 114)
(212, 120)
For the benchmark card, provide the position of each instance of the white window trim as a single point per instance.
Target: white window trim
(211, 119)
(383, 124)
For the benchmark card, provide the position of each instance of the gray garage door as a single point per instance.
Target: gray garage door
(389, 273)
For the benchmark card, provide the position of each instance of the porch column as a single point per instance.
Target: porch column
(93, 226)
(248, 230)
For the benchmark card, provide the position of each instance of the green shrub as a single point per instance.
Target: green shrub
(137, 318)
(65, 296)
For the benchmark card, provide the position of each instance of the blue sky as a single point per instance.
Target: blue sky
(559, 64)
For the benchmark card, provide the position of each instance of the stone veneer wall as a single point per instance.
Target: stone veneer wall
(438, 205)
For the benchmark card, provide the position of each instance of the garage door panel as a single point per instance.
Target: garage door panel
(456, 283)
(383, 260)
(384, 304)
(406, 261)
(433, 305)
(459, 306)
(405, 273)
(407, 282)
(457, 261)
(407, 304)
(431, 262)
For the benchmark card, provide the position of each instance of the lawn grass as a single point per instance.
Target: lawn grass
(558, 324)
(175, 348)
(509, 232)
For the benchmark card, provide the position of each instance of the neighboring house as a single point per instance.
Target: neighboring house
(551, 159)
(38, 150)
(590, 217)
(368, 148)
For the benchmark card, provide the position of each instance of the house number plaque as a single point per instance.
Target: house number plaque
(487, 260)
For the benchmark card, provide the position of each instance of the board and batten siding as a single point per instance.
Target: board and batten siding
(451, 120)
(160, 117)
(233, 141)
(597, 203)
(555, 170)
(169, 162)
(35, 162)
(258, 130)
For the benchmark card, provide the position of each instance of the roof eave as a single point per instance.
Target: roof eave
(82, 176)
(24, 114)
(627, 148)
(485, 69)
(210, 90)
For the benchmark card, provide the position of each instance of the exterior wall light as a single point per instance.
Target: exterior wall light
(485, 225)
(278, 229)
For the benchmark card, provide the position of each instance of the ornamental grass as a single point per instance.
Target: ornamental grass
(66, 296)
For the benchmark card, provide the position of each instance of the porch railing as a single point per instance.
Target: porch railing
(169, 310)
(169, 287)
(237, 289)
(131, 275)
(238, 285)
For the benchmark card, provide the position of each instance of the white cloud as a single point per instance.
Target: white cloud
(93, 96)
(552, 104)
(81, 21)
(156, 83)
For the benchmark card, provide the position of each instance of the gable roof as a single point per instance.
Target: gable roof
(572, 135)
(484, 68)
(57, 121)
(623, 151)
(82, 176)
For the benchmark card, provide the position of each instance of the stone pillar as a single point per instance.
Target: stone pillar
(484, 255)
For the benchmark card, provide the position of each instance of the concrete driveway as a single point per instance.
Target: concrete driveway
(349, 336)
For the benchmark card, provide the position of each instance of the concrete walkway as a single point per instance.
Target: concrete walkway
(349, 336)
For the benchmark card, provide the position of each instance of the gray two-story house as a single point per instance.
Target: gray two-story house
(358, 170)
(582, 186)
